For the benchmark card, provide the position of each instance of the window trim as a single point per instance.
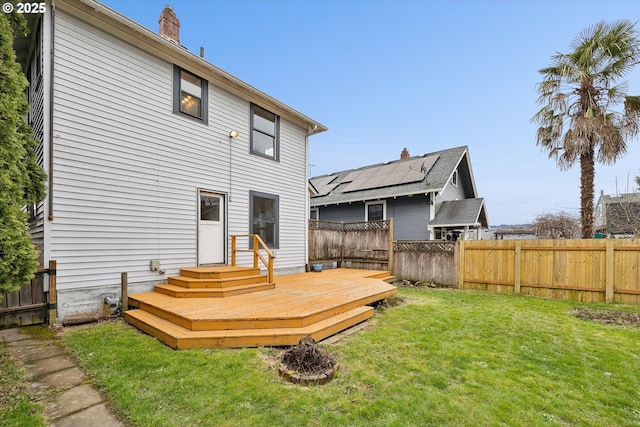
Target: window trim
(276, 231)
(204, 100)
(454, 178)
(276, 137)
(376, 202)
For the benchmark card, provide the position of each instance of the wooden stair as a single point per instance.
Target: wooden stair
(227, 306)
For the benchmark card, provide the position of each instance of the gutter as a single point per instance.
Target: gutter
(51, 67)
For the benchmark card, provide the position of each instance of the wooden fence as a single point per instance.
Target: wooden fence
(425, 261)
(589, 270)
(365, 245)
(30, 305)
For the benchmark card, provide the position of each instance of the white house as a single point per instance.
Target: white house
(155, 157)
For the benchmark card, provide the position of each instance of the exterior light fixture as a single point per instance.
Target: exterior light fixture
(233, 134)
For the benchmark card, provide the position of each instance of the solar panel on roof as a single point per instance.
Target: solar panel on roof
(389, 174)
(325, 184)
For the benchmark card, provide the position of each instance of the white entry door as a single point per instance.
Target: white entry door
(211, 234)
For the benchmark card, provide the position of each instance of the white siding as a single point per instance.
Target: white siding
(127, 169)
(35, 117)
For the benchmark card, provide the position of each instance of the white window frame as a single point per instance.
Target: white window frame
(454, 178)
(376, 202)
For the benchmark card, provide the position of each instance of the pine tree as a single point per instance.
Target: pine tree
(21, 178)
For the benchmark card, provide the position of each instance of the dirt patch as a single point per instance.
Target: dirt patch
(612, 317)
(308, 363)
(392, 301)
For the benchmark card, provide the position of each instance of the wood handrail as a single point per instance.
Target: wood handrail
(258, 244)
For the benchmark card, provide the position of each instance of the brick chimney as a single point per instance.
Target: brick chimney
(404, 154)
(169, 24)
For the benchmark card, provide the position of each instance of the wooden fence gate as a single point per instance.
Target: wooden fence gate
(31, 304)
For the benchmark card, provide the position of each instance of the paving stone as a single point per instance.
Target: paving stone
(28, 342)
(12, 335)
(48, 366)
(95, 416)
(73, 400)
(67, 378)
(31, 354)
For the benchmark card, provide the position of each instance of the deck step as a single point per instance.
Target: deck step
(380, 275)
(179, 337)
(188, 292)
(210, 282)
(219, 272)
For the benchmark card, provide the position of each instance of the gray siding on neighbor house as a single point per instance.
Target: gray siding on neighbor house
(410, 215)
(348, 212)
(451, 192)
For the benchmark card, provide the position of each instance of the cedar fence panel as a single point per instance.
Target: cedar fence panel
(589, 270)
(425, 261)
(364, 245)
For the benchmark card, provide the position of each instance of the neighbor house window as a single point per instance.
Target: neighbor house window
(189, 94)
(265, 217)
(265, 129)
(375, 211)
(313, 214)
(454, 178)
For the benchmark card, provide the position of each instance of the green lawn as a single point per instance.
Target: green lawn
(445, 358)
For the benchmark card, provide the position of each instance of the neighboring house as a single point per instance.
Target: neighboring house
(618, 215)
(516, 233)
(429, 197)
(155, 157)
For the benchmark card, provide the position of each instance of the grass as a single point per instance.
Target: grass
(446, 358)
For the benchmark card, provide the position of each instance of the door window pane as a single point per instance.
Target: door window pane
(209, 208)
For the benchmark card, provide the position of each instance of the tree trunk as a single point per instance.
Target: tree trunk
(587, 175)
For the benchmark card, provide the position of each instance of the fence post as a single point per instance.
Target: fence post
(390, 252)
(124, 292)
(460, 266)
(517, 260)
(53, 293)
(610, 271)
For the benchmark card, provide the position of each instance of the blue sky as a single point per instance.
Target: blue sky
(426, 75)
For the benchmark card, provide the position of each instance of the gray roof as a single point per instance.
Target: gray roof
(460, 213)
(620, 198)
(434, 180)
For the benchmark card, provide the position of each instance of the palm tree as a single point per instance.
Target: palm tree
(580, 93)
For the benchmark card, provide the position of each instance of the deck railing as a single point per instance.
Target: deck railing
(258, 244)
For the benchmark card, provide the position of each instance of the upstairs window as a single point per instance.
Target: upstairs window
(454, 178)
(265, 129)
(189, 94)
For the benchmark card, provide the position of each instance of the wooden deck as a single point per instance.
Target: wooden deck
(256, 313)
